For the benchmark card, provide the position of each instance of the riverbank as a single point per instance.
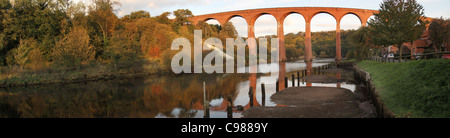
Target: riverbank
(313, 102)
(319, 102)
(17, 77)
(412, 89)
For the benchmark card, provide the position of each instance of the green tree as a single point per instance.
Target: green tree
(138, 14)
(36, 19)
(164, 18)
(102, 22)
(361, 41)
(439, 31)
(181, 17)
(397, 22)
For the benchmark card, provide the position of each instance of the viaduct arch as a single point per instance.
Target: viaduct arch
(280, 14)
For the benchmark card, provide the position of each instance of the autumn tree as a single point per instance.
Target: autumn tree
(397, 22)
(164, 18)
(153, 43)
(73, 49)
(27, 53)
(102, 19)
(138, 14)
(181, 17)
(228, 31)
(439, 31)
(35, 19)
(77, 14)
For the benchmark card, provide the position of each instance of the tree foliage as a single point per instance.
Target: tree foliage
(397, 22)
(73, 49)
(361, 41)
(439, 31)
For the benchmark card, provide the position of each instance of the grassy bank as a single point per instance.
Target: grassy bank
(17, 76)
(413, 89)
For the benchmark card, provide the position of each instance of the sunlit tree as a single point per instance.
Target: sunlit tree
(397, 22)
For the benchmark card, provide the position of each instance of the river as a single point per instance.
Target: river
(160, 96)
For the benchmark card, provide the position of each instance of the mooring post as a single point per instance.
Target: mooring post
(229, 107)
(293, 80)
(205, 102)
(319, 70)
(285, 82)
(277, 86)
(263, 92)
(250, 94)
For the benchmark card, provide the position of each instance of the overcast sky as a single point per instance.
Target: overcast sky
(266, 25)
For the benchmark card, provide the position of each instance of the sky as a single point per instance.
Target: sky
(266, 25)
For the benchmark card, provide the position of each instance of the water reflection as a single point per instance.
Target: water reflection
(154, 96)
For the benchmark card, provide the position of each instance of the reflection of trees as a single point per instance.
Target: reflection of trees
(117, 98)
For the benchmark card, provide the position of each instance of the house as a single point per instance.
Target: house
(418, 47)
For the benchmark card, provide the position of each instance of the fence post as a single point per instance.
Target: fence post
(250, 94)
(293, 80)
(298, 79)
(263, 92)
(229, 107)
(285, 82)
(277, 87)
(205, 102)
(319, 70)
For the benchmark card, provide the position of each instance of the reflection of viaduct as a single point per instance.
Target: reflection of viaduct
(281, 13)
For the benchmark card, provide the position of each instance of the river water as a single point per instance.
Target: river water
(163, 96)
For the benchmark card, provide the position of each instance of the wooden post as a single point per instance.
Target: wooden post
(205, 102)
(303, 73)
(298, 79)
(263, 92)
(293, 80)
(250, 94)
(277, 86)
(319, 70)
(229, 107)
(285, 82)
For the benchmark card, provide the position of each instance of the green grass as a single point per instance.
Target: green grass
(350, 60)
(413, 89)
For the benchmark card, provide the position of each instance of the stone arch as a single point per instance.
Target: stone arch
(255, 17)
(285, 16)
(232, 16)
(351, 13)
(271, 23)
(210, 19)
(243, 34)
(319, 12)
(325, 16)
